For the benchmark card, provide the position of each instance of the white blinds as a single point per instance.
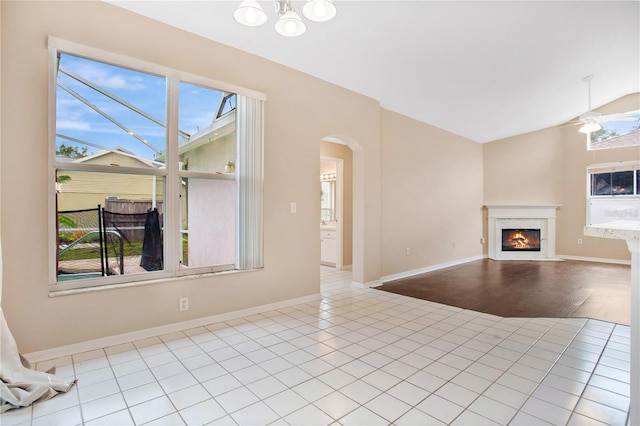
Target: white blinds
(249, 178)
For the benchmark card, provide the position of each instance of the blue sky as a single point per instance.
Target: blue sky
(197, 107)
(622, 126)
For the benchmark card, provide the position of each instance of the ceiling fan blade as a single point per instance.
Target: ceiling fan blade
(571, 124)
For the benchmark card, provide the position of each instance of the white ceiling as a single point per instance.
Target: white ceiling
(482, 70)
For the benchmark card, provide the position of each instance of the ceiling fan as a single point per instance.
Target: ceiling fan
(591, 120)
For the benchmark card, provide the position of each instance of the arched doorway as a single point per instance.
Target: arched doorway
(358, 206)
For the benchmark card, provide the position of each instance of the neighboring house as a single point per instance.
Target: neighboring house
(628, 139)
(209, 206)
(88, 190)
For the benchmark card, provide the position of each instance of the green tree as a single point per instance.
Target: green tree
(71, 151)
(603, 134)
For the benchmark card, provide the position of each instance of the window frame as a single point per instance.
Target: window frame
(171, 173)
(627, 166)
(624, 166)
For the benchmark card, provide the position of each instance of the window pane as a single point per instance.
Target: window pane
(617, 134)
(622, 183)
(208, 222)
(209, 141)
(102, 109)
(613, 209)
(601, 184)
(105, 226)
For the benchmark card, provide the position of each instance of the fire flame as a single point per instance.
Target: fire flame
(519, 241)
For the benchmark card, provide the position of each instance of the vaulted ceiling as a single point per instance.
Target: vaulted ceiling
(482, 70)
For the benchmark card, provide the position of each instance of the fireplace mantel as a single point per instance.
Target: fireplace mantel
(522, 210)
(537, 216)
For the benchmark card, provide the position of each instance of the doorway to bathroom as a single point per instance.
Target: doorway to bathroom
(336, 206)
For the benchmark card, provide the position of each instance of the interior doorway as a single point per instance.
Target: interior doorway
(336, 206)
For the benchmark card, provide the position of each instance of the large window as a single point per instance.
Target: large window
(157, 173)
(613, 193)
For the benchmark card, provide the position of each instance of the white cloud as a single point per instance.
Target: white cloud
(73, 125)
(108, 79)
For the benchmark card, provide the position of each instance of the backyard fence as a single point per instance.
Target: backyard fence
(124, 237)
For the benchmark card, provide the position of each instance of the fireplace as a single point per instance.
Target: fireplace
(520, 239)
(521, 232)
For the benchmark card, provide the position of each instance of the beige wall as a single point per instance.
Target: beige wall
(328, 149)
(291, 174)
(549, 167)
(432, 195)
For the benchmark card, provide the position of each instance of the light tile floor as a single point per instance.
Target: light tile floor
(356, 357)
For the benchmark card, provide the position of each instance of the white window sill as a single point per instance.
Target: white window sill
(69, 292)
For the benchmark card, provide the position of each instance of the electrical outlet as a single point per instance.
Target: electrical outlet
(407, 252)
(482, 240)
(579, 241)
(293, 207)
(184, 304)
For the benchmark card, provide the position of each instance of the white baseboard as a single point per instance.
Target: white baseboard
(104, 342)
(595, 259)
(426, 269)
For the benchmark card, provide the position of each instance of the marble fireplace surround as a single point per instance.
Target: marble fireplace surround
(532, 216)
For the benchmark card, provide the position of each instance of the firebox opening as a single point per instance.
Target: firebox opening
(520, 240)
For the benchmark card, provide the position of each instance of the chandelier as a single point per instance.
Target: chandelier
(289, 23)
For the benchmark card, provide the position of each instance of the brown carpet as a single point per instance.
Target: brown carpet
(569, 289)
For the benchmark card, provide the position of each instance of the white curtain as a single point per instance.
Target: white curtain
(250, 177)
(20, 386)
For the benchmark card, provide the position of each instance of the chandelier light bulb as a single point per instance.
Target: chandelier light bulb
(250, 13)
(319, 10)
(290, 25)
(251, 16)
